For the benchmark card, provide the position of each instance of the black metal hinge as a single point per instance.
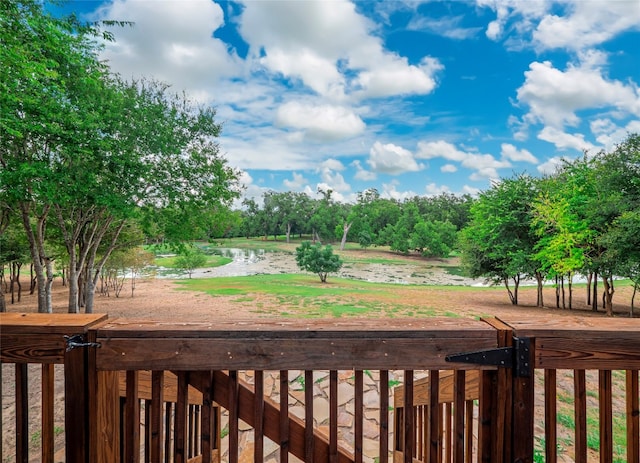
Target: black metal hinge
(516, 357)
(77, 340)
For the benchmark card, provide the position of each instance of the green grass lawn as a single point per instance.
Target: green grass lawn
(302, 295)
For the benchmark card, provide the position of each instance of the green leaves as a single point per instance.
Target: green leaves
(316, 259)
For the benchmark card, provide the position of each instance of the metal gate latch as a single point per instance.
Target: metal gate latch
(516, 357)
(77, 340)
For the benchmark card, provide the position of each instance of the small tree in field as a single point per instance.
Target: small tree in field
(314, 258)
(190, 259)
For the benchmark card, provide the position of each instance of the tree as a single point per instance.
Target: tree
(433, 239)
(86, 151)
(499, 241)
(190, 258)
(316, 259)
(622, 244)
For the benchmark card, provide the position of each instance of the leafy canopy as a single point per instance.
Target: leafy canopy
(314, 258)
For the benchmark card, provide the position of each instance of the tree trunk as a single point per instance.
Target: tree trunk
(540, 294)
(32, 284)
(608, 291)
(95, 269)
(74, 284)
(594, 299)
(3, 303)
(14, 277)
(345, 231)
(633, 298)
(557, 292)
(288, 231)
(41, 262)
(570, 283)
(589, 278)
(564, 304)
(513, 298)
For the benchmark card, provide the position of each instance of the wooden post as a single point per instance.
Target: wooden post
(76, 403)
(523, 407)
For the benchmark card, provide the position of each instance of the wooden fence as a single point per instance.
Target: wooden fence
(153, 391)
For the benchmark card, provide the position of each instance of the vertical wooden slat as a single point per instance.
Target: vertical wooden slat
(258, 420)
(487, 416)
(108, 423)
(180, 444)
(121, 413)
(420, 431)
(308, 417)
(233, 417)
(48, 385)
(147, 431)
(384, 416)
(468, 425)
(606, 416)
(447, 435)
(196, 431)
(633, 416)
(76, 403)
(1, 408)
(167, 431)
(189, 431)
(132, 420)
(408, 427)
(458, 407)
(550, 415)
(359, 414)
(333, 416)
(22, 414)
(434, 419)
(580, 410)
(157, 398)
(192, 432)
(207, 418)
(284, 416)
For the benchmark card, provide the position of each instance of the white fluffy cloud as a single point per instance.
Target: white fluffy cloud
(392, 159)
(590, 23)
(173, 42)
(449, 168)
(563, 140)
(484, 165)
(550, 166)
(512, 153)
(320, 122)
(361, 173)
(331, 49)
(297, 182)
(570, 24)
(554, 96)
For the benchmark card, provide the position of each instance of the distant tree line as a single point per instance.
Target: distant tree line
(427, 225)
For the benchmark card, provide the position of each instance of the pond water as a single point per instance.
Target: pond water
(241, 255)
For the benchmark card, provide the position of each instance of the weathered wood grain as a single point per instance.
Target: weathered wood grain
(41, 323)
(269, 354)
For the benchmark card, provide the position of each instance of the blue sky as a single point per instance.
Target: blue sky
(408, 97)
